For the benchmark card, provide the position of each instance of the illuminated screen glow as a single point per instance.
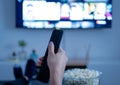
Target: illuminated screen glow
(70, 14)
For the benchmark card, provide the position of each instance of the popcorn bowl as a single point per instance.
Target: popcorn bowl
(81, 77)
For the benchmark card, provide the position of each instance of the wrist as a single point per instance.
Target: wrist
(56, 77)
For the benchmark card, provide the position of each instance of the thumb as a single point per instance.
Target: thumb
(51, 48)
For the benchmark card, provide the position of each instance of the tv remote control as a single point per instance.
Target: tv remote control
(44, 74)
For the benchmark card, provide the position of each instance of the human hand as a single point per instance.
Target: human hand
(56, 63)
(39, 62)
(60, 58)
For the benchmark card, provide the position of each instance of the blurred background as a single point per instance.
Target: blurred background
(103, 44)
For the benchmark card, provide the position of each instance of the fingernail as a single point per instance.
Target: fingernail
(51, 43)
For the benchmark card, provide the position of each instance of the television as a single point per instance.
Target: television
(63, 14)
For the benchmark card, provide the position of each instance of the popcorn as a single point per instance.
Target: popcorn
(81, 77)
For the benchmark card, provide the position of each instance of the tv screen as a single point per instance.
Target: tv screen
(63, 14)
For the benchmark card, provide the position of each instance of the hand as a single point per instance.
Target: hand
(56, 63)
(39, 62)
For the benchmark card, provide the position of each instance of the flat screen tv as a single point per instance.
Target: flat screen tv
(63, 14)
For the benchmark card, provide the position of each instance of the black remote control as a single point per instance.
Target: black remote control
(44, 74)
